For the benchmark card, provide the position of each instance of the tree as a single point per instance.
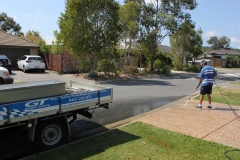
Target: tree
(33, 36)
(218, 43)
(129, 19)
(158, 20)
(87, 27)
(8, 24)
(57, 46)
(186, 41)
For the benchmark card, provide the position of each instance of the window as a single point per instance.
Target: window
(23, 58)
(35, 58)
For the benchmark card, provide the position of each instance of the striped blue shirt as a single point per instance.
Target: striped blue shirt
(207, 73)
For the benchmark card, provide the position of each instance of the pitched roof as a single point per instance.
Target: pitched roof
(224, 51)
(163, 48)
(7, 39)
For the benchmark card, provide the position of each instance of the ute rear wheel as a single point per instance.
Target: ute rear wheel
(51, 133)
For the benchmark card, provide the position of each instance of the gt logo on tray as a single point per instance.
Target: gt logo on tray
(36, 103)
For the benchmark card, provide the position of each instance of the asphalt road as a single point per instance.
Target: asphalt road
(130, 97)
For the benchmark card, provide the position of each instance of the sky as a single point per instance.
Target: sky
(215, 17)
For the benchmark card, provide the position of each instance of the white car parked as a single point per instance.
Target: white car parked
(31, 62)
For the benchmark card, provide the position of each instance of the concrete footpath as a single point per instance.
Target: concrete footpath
(218, 125)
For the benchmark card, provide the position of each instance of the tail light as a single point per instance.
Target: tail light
(42, 61)
(28, 61)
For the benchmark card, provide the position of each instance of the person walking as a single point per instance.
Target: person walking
(207, 75)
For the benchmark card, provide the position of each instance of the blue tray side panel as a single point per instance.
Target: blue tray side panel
(25, 108)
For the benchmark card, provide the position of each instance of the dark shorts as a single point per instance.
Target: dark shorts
(206, 90)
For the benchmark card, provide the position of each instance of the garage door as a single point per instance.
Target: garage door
(13, 54)
(217, 62)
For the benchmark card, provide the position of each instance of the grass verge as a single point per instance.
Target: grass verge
(139, 141)
(231, 95)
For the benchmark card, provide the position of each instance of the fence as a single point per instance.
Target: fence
(66, 63)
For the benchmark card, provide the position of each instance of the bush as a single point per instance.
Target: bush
(186, 67)
(117, 72)
(177, 64)
(143, 71)
(92, 75)
(158, 64)
(130, 70)
(106, 66)
(229, 65)
(177, 67)
(166, 70)
(194, 68)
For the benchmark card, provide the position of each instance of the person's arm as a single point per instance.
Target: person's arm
(215, 74)
(201, 76)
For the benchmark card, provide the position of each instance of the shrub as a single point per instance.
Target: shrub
(85, 66)
(177, 65)
(106, 66)
(194, 68)
(92, 75)
(130, 70)
(117, 72)
(158, 64)
(142, 71)
(166, 70)
(229, 65)
(186, 67)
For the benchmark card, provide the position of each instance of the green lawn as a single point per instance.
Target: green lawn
(238, 83)
(231, 95)
(139, 141)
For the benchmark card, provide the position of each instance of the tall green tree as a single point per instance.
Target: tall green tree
(88, 26)
(186, 41)
(160, 19)
(8, 24)
(129, 20)
(57, 46)
(218, 43)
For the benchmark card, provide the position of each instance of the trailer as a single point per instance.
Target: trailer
(45, 109)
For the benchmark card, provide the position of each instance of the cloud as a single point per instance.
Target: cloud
(234, 40)
(28, 15)
(211, 34)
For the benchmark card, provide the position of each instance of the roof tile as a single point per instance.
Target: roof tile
(7, 39)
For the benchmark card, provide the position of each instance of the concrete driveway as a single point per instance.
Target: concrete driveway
(20, 76)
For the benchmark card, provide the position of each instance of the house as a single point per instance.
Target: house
(218, 58)
(127, 57)
(15, 47)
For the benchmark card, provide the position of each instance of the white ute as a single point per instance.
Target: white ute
(4, 76)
